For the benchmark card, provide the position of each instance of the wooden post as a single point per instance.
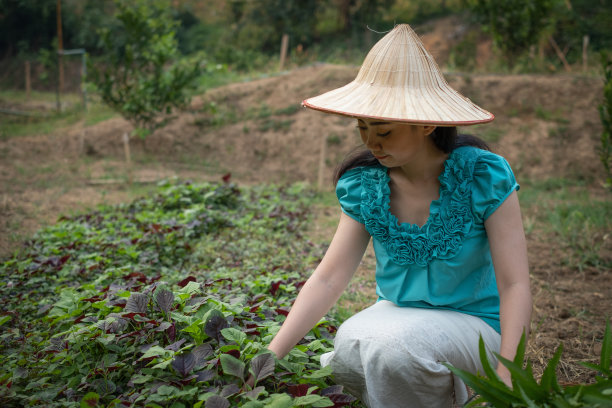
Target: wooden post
(322, 154)
(128, 156)
(585, 55)
(60, 46)
(283, 52)
(28, 82)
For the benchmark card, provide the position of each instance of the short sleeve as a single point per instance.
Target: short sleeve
(348, 191)
(494, 181)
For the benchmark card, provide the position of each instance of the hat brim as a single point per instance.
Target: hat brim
(442, 106)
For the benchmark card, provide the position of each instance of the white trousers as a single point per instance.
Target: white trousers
(390, 356)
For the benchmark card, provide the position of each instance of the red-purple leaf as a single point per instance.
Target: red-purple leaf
(137, 303)
(206, 375)
(229, 390)
(165, 299)
(216, 401)
(176, 346)
(299, 390)
(262, 366)
(201, 352)
(214, 325)
(184, 363)
(255, 392)
(185, 281)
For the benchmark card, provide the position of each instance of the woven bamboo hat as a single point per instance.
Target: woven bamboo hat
(399, 81)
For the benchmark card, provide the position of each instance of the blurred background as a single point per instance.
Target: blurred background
(245, 35)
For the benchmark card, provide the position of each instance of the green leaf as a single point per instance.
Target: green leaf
(486, 365)
(232, 366)
(606, 348)
(313, 400)
(4, 319)
(522, 379)
(549, 377)
(279, 401)
(232, 334)
(320, 373)
(492, 392)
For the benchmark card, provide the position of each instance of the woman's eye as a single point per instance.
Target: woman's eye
(383, 134)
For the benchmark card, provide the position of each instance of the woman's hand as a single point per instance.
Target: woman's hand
(325, 286)
(504, 375)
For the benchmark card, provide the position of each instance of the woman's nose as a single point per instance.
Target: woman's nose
(371, 140)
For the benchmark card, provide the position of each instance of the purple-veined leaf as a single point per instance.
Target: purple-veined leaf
(206, 375)
(232, 366)
(176, 345)
(184, 363)
(229, 390)
(334, 389)
(104, 387)
(163, 326)
(262, 366)
(255, 392)
(341, 400)
(201, 352)
(216, 401)
(90, 400)
(214, 325)
(137, 303)
(165, 299)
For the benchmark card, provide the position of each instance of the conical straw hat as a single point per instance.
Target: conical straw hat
(399, 81)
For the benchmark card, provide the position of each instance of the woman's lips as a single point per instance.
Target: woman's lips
(380, 157)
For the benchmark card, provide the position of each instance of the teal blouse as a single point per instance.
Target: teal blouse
(446, 263)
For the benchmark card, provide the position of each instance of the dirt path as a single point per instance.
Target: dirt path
(546, 126)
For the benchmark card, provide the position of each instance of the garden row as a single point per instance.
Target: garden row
(168, 301)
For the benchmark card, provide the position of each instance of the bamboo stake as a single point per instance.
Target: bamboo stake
(128, 156)
(28, 81)
(283, 53)
(585, 55)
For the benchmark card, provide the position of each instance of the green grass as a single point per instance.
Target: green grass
(44, 118)
(579, 220)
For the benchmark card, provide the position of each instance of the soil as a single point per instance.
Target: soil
(546, 126)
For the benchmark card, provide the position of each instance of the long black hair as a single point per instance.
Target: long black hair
(445, 138)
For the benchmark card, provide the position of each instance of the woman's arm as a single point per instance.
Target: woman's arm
(509, 252)
(324, 286)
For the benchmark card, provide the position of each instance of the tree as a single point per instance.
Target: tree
(514, 24)
(140, 76)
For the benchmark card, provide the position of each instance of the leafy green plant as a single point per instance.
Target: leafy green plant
(605, 113)
(141, 77)
(527, 392)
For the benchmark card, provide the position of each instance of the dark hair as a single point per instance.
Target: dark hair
(445, 138)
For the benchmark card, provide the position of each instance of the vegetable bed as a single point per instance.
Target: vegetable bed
(168, 301)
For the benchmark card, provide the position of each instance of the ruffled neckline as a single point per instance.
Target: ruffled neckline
(450, 217)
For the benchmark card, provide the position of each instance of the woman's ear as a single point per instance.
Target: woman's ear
(428, 129)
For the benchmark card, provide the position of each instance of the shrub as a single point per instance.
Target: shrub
(527, 392)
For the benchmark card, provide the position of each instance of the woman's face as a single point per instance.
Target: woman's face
(394, 144)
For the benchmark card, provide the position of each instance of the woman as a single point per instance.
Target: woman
(445, 221)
